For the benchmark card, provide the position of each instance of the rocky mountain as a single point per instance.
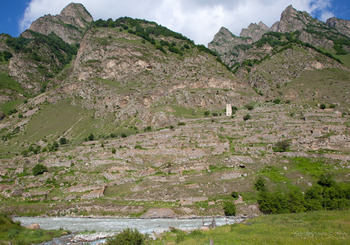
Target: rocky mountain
(254, 31)
(70, 25)
(343, 26)
(293, 20)
(295, 31)
(129, 117)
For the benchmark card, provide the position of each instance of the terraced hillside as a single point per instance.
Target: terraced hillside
(187, 169)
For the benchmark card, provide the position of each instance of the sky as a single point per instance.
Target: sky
(198, 20)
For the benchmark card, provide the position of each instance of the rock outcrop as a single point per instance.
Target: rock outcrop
(292, 20)
(343, 26)
(255, 31)
(225, 44)
(69, 25)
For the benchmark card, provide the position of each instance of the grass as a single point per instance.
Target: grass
(6, 82)
(13, 233)
(331, 86)
(53, 121)
(309, 166)
(8, 106)
(322, 227)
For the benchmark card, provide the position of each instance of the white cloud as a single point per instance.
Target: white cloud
(197, 19)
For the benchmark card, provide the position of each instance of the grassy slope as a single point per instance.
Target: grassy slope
(321, 86)
(323, 227)
(13, 233)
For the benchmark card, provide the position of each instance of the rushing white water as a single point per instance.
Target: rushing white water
(104, 224)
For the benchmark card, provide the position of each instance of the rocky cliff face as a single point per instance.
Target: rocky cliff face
(254, 31)
(293, 20)
(343, 26)
(70, 24)
(228, 46)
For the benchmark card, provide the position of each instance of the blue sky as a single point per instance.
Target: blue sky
(196, 19)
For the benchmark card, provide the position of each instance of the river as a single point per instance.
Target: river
(114, 224)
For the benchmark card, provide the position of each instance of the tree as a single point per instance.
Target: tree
(39, 169)
(91, 137)
(322, 106)
(326, 180)
(259, 184)
(127, 237)
(63, 141)
(296, 202)
(229, 209)
(281, 146)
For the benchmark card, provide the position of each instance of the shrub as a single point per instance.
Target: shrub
(127, 237)
(234, 194)
(322, 106)
(281, 146)
(328, 195)
(91, 137)
(249, 107)
(63, 141)
(277, 101)
(229, 209)
(54, 146)
(247, 117)
(206, 113)
(39, 169)
(326, 180)
(114, 150)
(259, 184)
(148, 128)
(123, 135)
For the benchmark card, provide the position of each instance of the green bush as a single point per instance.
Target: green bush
(234, 194)
(327, 194)
(63, 141)
(277, 101)
(322, 106)
(281, 146)
(39, 169)
(249, 107)
(91, 137)
(247, 117)
(259, 184)
(229, 209)
(127, 237)
(148, 129)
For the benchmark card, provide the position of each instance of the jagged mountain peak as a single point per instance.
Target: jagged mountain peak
(68, 25)
(254, 31)
(292, 20)
(78, 11)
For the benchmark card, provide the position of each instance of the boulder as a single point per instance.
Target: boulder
(34, 226)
